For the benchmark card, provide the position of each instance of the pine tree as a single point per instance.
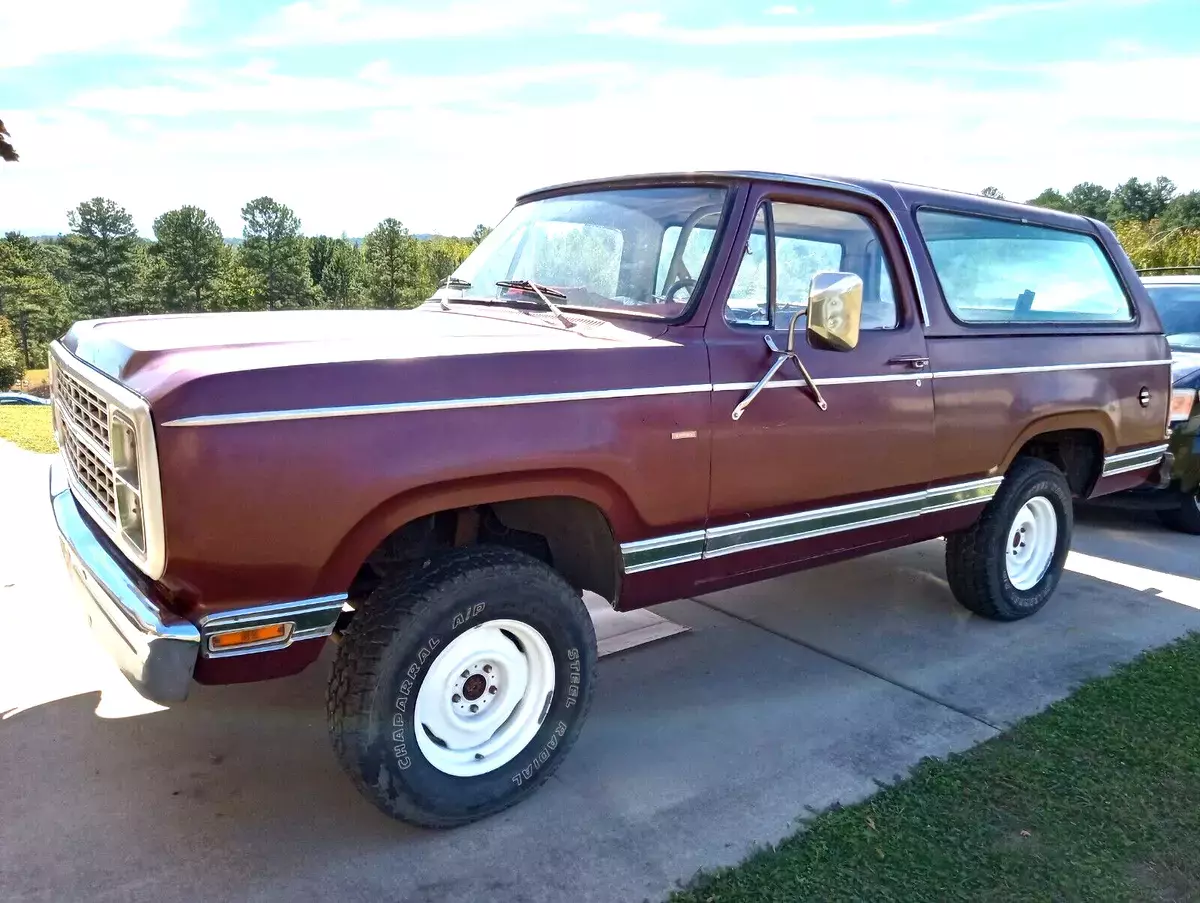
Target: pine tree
(187, 258)
(273, 250)
(394, 266)
(30, 298)
(341, 277)
(103, 257)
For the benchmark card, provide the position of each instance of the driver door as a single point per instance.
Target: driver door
(790, 481)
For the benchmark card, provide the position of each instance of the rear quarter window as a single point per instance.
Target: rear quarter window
(997, 271)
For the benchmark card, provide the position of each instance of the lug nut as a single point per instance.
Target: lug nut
(493, 690)
(487, 669)
(465, 675)
(474, 708)
(456, 698)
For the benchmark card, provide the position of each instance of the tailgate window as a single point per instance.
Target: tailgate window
(998, 271)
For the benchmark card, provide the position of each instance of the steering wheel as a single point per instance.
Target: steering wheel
(678, 286)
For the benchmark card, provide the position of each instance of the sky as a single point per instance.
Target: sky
(441, 113)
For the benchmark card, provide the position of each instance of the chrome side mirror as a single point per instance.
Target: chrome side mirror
(834, 311)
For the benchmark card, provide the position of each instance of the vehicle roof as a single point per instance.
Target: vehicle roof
(894, 193)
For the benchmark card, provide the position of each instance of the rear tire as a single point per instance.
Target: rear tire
(1007, 564)
(459, 688)
(1185, 518)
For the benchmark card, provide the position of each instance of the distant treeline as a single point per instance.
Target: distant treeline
(102, 268)
(1157, 226)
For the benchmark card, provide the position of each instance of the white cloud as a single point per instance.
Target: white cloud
(354, 21)
(33, 30)
(443, 165)
(654, 26)
(783, 11)
(258, 87)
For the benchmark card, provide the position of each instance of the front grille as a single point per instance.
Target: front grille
(81, 417)
(85, 409)
(93, 474)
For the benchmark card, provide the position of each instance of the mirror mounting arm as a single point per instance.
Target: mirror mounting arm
(808, 380)
(781, 358)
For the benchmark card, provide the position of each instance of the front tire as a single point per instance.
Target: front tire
(1186, 517)
(1007, 564)
(459, 689)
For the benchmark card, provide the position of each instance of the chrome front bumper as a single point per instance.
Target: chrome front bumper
(153, 647)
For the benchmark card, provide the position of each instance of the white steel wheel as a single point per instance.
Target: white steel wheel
(483, 698)
(1032, 539)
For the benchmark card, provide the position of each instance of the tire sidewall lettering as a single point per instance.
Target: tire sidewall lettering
(402, 725)
(571, 680)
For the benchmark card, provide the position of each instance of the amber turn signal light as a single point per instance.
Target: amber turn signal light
(251, 636)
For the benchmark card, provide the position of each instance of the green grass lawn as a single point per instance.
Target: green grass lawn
(28, 426)
(1098, 798)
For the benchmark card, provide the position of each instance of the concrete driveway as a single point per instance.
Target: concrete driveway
(783, 698)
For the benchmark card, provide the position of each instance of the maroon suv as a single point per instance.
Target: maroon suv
(648, 387)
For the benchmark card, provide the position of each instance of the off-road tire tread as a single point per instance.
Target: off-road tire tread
(968, 558)
(394, 605)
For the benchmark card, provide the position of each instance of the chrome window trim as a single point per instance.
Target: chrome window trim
(810, 524)
(497, 401)
(153, 561)
(310, 619)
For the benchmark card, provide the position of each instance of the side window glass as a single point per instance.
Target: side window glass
(999, 271)
(748, 304)
(879, 296)
(810, 240)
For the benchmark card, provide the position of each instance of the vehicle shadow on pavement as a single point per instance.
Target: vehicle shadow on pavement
(1136, 538)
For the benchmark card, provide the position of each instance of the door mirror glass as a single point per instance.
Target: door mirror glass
(834, 310)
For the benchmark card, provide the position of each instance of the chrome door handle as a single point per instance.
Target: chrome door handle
(915, 361)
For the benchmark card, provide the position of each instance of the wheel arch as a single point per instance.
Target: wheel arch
(580, 513)
(1075, 442)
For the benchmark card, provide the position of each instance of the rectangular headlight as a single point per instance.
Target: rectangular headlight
(129, 516)
(123, 439)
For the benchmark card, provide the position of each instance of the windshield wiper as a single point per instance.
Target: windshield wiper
(450, 282)
(544, 293)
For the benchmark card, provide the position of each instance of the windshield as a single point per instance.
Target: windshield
(1178, 307)
(630, 250)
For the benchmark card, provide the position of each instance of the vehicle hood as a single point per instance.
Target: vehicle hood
(285, 358)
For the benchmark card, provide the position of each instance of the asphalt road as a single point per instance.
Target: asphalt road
(783, 698)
